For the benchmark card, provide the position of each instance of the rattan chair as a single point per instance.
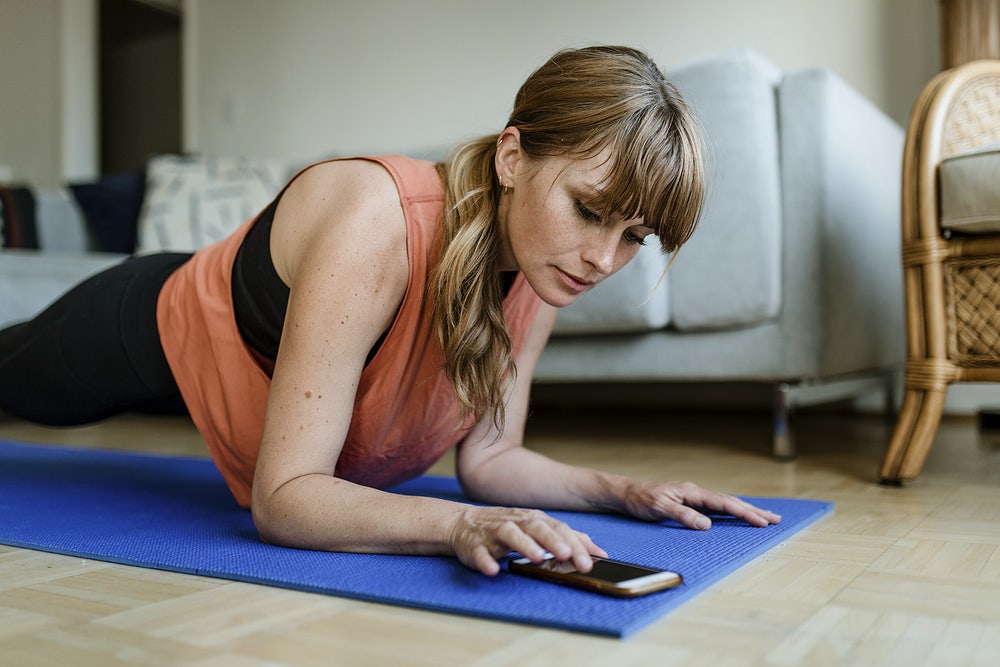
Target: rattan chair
(952, 279)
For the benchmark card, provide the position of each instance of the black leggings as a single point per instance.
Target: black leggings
(93, 353)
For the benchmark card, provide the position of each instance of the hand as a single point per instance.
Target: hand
(483, 535)
(656, 501)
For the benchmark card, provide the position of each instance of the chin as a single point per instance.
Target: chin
(557, 298)
(553, 294)
(558, 303)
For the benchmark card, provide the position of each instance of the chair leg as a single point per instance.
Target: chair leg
(914, 434)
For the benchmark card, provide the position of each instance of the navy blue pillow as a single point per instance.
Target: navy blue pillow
(111, 208)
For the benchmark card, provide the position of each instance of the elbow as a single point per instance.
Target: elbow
(265, 513)
(474, 485)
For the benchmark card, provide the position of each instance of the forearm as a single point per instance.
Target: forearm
(518, 476)
(329, 514)
(523, 478)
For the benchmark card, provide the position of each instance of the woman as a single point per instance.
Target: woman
(383, 310)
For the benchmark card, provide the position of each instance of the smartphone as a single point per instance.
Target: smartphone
(610, 577)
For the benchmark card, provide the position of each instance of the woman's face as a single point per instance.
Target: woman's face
(551, 231)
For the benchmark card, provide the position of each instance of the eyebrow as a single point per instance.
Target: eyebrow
(596, 195)
(592, 190)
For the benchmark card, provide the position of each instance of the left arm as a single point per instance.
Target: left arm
(505, 473)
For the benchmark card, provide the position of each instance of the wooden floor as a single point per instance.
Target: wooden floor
(897, 576)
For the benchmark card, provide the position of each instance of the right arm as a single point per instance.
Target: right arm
(339, 242)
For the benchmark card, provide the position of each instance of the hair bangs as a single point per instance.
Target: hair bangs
(656, 175)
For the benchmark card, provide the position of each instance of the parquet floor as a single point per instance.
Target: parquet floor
(897, 576)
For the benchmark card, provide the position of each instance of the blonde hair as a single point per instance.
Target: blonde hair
(577, 104)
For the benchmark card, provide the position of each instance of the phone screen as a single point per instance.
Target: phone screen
(607, 576)
(611, 571)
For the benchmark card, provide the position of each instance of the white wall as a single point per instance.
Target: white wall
(307, 78)
(48, 78)
(29, 89)
(304, 79)
(79, 139)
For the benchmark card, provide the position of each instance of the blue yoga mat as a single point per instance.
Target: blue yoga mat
(176, 514)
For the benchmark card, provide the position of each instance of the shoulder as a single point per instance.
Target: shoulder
(351, 206)
(343, 187)
(370, 181)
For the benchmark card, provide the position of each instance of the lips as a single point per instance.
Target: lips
(575, 283)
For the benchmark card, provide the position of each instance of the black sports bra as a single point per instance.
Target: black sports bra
(260, 298)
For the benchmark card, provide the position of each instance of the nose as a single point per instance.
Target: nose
(601, 256)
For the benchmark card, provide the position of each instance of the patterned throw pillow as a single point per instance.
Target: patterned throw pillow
(192, 202)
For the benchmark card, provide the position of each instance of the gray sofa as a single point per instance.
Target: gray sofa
(790, 288)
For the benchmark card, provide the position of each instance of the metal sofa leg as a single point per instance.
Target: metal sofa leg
(783, 442)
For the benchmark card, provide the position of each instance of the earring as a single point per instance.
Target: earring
(506, 188)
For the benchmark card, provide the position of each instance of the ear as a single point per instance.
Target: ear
(508, 156)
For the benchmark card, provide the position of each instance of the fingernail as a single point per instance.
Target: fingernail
(702, 523)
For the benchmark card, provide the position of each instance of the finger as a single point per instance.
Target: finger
(584, 551)
(564, 543)
(741, 509)
(513, 537)
(484, 561)
(691, 494)
(578, 553)
(690, 517)
(592, 547)
(553, 536)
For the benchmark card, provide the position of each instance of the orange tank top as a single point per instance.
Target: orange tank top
(405, 410)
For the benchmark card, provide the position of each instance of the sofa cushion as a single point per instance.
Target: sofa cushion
(111, 206)
(625, 302)
(729, 273)
(46, 218)
(970, 191)
(32, 279)
(18, 217)
(192, 202)
(61, 224)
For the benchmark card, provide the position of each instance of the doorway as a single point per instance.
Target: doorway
(140, 82)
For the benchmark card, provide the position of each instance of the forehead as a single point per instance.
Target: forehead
(589, 175)
(595, 170)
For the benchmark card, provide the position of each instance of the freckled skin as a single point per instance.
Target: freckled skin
(562, 247)
(341, 223)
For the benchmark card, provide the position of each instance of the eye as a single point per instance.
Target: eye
(585, 212)
(633, 239)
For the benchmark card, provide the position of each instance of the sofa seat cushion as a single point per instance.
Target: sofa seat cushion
(970, 191)
(31, 279)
